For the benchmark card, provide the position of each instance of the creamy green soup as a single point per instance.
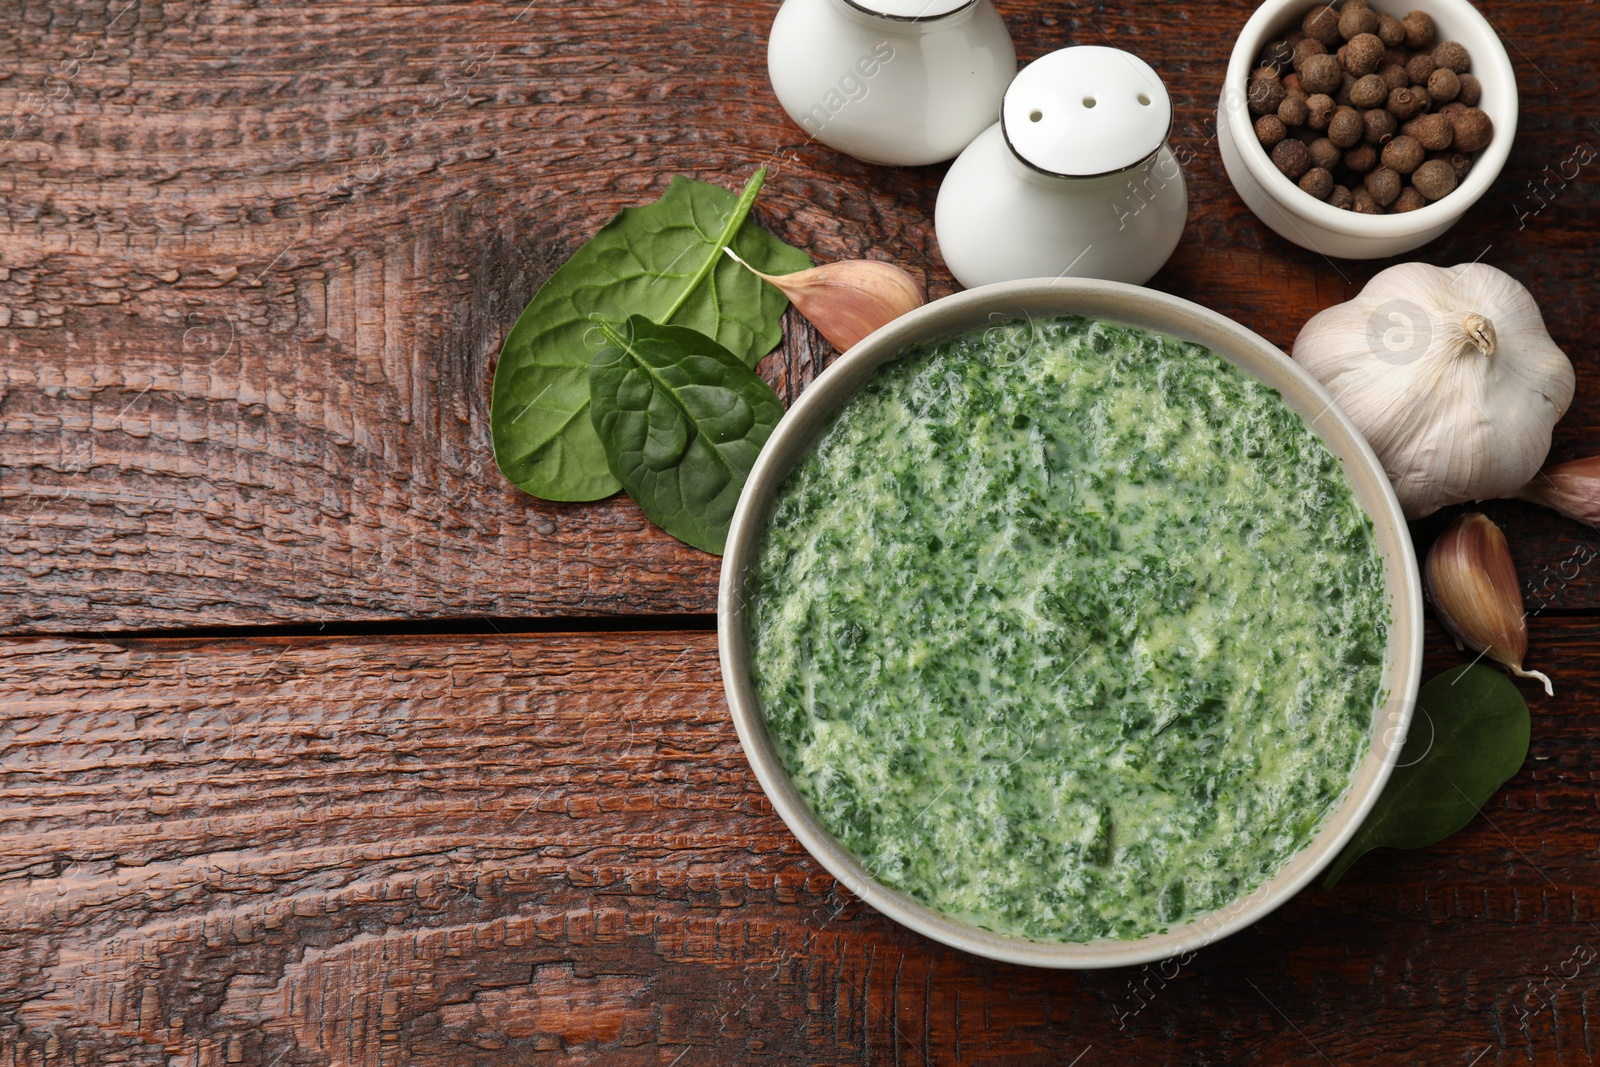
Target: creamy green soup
(1069, 630)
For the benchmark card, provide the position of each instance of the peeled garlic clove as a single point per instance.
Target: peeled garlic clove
(847, 300)
(1473, 583)
(1572, 488)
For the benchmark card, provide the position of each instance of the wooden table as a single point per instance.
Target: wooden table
(321, 744)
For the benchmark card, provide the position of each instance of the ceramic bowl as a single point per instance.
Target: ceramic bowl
(1150, 310)
(1309, 222)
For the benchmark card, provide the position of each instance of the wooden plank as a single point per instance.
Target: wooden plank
(257, 264)
(550, 848)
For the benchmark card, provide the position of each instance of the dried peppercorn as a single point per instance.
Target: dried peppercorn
(1380, 126)
(1266, 92)
(1419, 29)
(1362, 158)
(1405, 103)
(1345, 128)
(1305, 50)
(1363, 203)
(1322, 24)
(1473, 129)
(1320, 108)
(1369, 91)
(1321, 74)
(1394, 76)
(1291, 157)
(1325, 154)
(1340, 197)
(1471, 90)
(1356, 19)
(1434, 132)
(1419, 67)
(1435, 179)
(1363, 54)
(1270, 130)
(1452, 55)
(1318, 182)
(1390, 31)
(1408, 200)
(1443, 85)
(1278, 55)
(1403, 154)
(1293, 110)
(1384, 185)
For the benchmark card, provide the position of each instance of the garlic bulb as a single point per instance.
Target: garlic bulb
(849, 299)
(1450, 374)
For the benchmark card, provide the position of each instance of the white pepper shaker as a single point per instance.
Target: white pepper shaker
(1076, 179)
(902, 82)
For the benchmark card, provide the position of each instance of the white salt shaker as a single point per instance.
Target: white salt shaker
(1076, 179)
(903, 82)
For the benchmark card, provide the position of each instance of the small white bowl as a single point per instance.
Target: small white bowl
(1150, 310)
(1321, 227)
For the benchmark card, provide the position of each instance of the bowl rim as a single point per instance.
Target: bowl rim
(1145, 308)
(1492, 69)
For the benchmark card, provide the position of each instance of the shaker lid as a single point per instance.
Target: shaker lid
(1084, 111)
(911, 10)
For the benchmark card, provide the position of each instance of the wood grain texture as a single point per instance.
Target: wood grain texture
(258, 259)
(442, 851)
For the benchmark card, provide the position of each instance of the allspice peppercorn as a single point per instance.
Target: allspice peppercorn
(1419, 29)
(1433, 132)
(1363, 203)
(1471, 89)
(1270, 130)
(1443, 85)
(1291, 157)
(1363, 54)
(1408, 200)
(1419, 67)
(1345, 128)
(1394, 76)
(1340, 197)
(1318, 182)
(1321, 74)
(1305, 50)
(1293, 110)
(1362, 158)
(1357, 19)
(1452, 55)
(1266, 92)
(1403, 154)
(1405, 103)
(1473, 129)
(1389, 30)
(1384, 185)
(1325, 154)
(1434, 179)
(1319, 109)
(1381, 126)
(1459, 162)
(1369, 91)
(1322, 24)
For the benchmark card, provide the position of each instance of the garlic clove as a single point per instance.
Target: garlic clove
(847, 300)
(1473, 583)
(1573, 489)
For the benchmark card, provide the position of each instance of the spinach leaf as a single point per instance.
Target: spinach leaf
(1469, 735)
(663, 260)
(682, 420)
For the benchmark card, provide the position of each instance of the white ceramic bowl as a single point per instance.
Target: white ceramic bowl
(1309, 222)
(1151, 310)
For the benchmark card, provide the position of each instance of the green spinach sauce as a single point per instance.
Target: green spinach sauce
(1069, 630)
